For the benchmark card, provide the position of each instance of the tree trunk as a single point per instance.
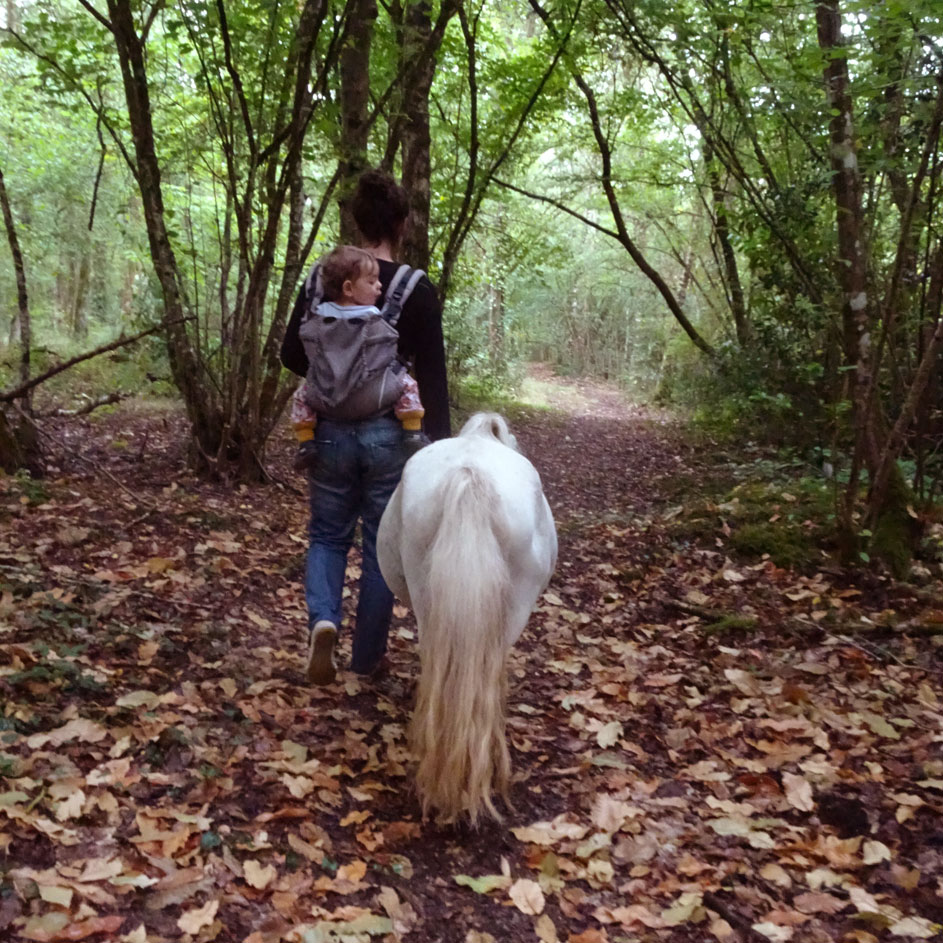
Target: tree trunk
(13, 15)
(19, 443)
(852, 275)
(896, 532)
(22, 296)
(199, 401)
(354, 98)
(730, 271)
(851, 269)
(417, 161)
(230, 401)
(893, 532)
(78, 324)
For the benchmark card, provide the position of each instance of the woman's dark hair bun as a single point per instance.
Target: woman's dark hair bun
(380, 207)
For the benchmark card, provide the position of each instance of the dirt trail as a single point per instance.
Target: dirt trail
(677, 777)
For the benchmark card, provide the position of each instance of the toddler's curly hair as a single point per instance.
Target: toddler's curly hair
(342, 263)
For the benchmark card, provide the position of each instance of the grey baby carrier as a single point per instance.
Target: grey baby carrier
(353, 368)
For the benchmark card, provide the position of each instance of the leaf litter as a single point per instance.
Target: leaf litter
(168, 775)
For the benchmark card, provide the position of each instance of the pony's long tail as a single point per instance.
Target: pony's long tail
(457, 730)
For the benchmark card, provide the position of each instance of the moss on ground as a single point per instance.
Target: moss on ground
(731, 623)
(787, 546)
(791, 522)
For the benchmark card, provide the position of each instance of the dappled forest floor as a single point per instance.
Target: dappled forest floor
(706, 745)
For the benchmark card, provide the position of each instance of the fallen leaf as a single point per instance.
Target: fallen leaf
(798, 792)
(610, 814)
(863, 901)
(775, 873)
(743, 681)
(527, 896)
(588, 936)
(354, 871)
(145, 699)
(353, 930)
(71, 806)
(402, 914)
(55, 927)
(146, 653)
(721, 929)
(160, 564)
(305, 849)
(260, 621)
(874, 852)
(685, 908)
(257, 876)
(546, 930)
(484, 884)
(77, 729)
(915, 926)
(57, 895)
(101, 869)
(609, 734)
(69, 536)
(816, 902)
(880, 726)
(549, 833)
(774, 932)
(192, 921)
(636, 913)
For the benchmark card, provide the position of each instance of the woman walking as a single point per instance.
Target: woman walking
(358, 463)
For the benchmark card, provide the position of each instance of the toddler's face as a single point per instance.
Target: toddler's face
(365, 289)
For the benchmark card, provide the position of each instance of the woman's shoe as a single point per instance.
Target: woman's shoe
(321, 666)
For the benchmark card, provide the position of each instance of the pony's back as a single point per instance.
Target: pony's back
(468, 540)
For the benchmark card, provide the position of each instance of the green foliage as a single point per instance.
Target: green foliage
(33, 490)
(80, 279)
(717, 122)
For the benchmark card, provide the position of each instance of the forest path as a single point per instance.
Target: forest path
(700, 749)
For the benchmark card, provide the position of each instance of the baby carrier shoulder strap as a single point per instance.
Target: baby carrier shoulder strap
(314, 289)
(401, 287)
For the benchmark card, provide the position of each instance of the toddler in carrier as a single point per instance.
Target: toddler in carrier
(350, 281)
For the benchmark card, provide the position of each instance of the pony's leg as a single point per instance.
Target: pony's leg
(389, 540)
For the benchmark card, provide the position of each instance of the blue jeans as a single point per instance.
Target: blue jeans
(358, 466)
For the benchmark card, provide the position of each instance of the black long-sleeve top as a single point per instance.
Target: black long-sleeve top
(420, 344)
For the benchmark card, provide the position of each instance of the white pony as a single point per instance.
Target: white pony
(468, 541)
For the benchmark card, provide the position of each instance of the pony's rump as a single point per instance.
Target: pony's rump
(469, 539)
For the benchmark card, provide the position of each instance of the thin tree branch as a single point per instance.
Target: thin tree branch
(20, 391)
(98, 16)
(98, 175)
(236, 78)
(149, 22)
(106, 400)
(560, 206)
